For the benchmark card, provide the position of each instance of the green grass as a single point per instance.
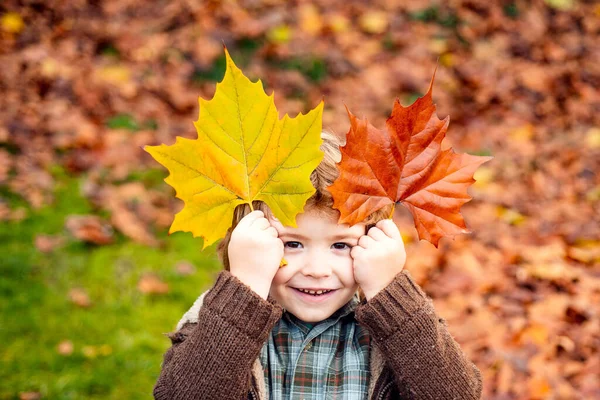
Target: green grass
(242, 52)
(313, 68)
(128, 122)
(434, 14)
(124, 326)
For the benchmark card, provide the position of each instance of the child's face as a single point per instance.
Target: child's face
(318, 256)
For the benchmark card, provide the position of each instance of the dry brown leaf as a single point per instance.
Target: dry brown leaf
(128, 223)
(5, 164)
(47, 243)
(127, 203)
(535, 333)
(550, 271)
(588, 253)
(539, 388)
(89, 228)
(151, 284)
(80, 297)
(65, 348)
(310, 20)
(185, 268)
(30, 395)
(505, 378)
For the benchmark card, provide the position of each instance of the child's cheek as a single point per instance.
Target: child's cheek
(285, 273)
(347, 271)
(280, 277)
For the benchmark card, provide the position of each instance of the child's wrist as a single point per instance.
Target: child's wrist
(260, 288)
(369, 294)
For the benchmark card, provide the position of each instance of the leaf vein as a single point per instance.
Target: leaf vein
(261, 127)
(219, 125)
(218, 147)
(288, 155)
(264, 152)
(197, 172)
(243, 135)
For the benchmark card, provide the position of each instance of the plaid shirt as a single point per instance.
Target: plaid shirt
(329, 360)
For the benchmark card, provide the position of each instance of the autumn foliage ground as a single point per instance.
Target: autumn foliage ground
(89, 278)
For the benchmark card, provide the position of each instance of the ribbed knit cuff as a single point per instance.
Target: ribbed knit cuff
(385, 313)
(235, 302)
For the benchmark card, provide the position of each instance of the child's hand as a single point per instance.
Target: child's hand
(255, 252)
(378, 257)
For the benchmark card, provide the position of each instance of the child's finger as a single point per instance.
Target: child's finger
(377, 234)
(275, 223)
(356, 251)
(250, 218)
(365, 241)
(261, 223)
(389, 228)
(272, 231)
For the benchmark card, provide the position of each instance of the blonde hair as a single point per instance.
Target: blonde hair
(321, 178)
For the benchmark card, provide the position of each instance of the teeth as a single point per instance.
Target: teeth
(314, 292)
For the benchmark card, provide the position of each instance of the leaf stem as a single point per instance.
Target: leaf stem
(392, 212)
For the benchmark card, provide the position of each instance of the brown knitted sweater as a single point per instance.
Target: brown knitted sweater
(413, 355)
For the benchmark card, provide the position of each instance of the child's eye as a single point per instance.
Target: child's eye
(293, 245)
(341, 246)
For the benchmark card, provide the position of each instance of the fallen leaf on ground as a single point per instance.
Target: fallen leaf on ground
(550, 271)
(185, 268)
(90, 228)
(151, 284)
(30, 395)
(65, 348)
(587, 253)
(539, 387)
(79, 297)
(128, 223)
(47, 243)
(535, 333)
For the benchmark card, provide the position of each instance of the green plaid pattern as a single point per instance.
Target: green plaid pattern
(329, 360)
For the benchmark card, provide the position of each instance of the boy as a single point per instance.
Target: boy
(300, 331)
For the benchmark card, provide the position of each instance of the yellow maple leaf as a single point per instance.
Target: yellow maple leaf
(243, 152)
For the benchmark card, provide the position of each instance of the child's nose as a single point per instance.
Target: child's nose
(317, 266)
(316, 271)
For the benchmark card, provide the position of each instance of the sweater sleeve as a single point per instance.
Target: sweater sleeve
(213, 358)
(426, 361)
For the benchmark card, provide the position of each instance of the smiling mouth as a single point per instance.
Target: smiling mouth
(319, 292)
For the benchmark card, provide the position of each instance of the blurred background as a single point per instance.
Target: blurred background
(90, 280)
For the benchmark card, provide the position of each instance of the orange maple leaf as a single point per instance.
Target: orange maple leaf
(405, 163)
